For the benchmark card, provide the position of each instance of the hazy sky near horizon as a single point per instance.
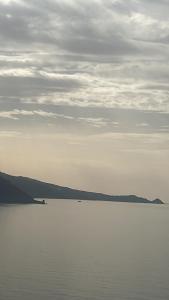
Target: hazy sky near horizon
(84, 93)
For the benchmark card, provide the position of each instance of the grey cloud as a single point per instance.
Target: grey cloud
(14, 29)
(33, 86)
(115, 46)
(157, 87)
(82, 28)
(89, 120)
(101, 53)
(84, 33)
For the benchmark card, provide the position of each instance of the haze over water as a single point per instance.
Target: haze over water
(91, 250)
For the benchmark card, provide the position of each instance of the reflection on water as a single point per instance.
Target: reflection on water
(68, 250)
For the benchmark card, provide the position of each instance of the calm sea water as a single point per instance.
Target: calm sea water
(91, 250)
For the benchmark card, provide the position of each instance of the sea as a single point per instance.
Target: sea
(89, 250)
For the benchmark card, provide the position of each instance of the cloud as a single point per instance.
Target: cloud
(83, 120)
(27, 86)
(84, 54)
(9, 134)
(16, 113)
(96, 122)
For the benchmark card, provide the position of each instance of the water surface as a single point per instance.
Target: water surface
(68, 250)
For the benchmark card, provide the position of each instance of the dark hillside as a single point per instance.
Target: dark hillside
(9, 193)
(39, 189)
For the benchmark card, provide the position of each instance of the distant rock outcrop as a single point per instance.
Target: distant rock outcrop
(157, 201)
(9, 193)
(39, 189)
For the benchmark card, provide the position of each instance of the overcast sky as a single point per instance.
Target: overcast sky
(84, 93)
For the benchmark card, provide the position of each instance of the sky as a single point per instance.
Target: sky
(84, 93)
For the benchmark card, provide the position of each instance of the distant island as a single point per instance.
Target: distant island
(18, 189)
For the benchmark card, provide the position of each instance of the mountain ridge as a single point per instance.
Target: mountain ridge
(40, 189)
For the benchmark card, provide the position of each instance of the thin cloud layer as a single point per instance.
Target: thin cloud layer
(83, 53)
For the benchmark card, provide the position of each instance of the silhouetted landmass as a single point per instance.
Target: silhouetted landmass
(39, 189)
(9, 193)
(157, 201)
